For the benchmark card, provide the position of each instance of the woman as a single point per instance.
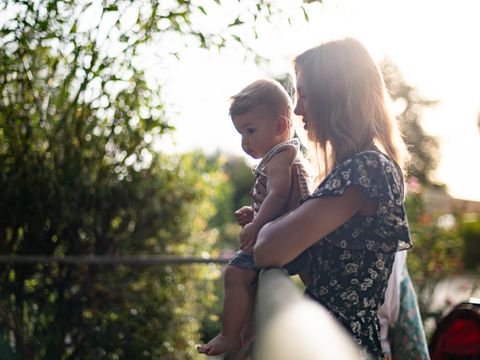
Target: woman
(354, 222)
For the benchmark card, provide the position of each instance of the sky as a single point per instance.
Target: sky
(434, 43)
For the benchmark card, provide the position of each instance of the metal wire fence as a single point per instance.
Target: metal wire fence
(109, 260)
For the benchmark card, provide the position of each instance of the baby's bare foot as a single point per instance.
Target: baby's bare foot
(220, 344)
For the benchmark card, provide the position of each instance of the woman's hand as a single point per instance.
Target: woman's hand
(244, 215)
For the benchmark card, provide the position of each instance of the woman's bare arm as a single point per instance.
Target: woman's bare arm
(283, 240)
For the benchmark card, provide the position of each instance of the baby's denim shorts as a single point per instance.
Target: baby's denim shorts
(244, 260)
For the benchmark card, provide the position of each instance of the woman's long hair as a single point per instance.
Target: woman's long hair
(346, 95)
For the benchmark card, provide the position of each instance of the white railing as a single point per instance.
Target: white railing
(288, 325)
(291, 327)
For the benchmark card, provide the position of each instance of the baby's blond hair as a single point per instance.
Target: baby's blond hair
(265, 93)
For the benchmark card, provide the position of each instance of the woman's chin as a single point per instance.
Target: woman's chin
(311, 137)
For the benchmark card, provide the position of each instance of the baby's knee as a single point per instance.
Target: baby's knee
(235, 276)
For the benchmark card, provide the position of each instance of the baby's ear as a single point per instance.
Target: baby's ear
(283, 124)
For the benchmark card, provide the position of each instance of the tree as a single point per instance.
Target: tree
(78, 121)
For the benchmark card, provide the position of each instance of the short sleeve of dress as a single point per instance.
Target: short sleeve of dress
(381, 179)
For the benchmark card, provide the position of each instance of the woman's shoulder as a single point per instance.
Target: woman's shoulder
(371, 159)
(370, 164)
(372, 170)
(381, 179)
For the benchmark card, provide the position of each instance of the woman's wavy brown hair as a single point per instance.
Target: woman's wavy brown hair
(347, 94)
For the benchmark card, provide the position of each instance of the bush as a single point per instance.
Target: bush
(470, 232)
(437, 251)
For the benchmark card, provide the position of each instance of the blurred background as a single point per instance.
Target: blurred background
(115, 140)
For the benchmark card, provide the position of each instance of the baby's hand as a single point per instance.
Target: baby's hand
(248, 236)
(244, 215)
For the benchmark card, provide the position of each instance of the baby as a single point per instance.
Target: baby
(262, 114)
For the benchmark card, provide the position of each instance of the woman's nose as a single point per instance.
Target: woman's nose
(298, 109)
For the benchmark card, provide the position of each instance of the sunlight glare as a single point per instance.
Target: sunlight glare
(431, 42)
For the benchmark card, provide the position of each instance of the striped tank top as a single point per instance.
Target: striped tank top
(299, 167)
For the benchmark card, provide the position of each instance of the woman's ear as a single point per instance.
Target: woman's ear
(282, 125)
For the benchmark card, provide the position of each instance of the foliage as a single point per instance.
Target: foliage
(241, 179)
(78, 125)
(68, 312)
(470, 233)
(78, 122)
(437, 252)
(235, 195)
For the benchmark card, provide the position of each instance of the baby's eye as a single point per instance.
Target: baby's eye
(250, 131)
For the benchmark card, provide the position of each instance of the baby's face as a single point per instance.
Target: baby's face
(258, 130)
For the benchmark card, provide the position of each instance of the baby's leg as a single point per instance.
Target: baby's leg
(239, 295)
(248, 330)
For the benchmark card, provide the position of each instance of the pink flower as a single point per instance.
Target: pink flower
(413, 185)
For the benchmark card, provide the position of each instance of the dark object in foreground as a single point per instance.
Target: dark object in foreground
(457, 336)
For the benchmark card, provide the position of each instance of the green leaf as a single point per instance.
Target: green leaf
(73, 29)
(202, 10)
(237, 38)
(269, 8)
(5, 32)
(112, 7)
(202, 40)
(305, 14)
(236, 22)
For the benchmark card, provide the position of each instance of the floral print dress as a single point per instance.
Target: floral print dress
(349, 268)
